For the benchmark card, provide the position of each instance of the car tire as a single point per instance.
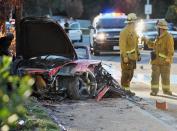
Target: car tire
(91, 49)
(95, 50)
(77, 90)
(96, 53)
(81, 39)
(15, 65)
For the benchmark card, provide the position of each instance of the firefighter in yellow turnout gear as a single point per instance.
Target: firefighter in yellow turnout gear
(161, 58)
(129, 51)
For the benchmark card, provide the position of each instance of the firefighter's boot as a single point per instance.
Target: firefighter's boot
(154, 92)
(167, 92)
(130, 93)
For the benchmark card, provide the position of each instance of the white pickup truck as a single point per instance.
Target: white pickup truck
(75, 32)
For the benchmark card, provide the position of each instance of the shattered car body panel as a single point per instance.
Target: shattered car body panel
(77, 67)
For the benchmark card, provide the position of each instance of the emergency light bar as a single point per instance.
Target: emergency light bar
(111, 15)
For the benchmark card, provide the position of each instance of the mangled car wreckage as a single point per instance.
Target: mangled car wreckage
(46, 53)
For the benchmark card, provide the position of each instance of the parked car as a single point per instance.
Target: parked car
(75, 32)
(46, 53)
(148, 29)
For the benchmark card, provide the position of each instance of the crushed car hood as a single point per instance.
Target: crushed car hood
(43, 36)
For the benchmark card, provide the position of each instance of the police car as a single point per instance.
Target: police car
(104, 33)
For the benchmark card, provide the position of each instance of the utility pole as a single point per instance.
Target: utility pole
(148, 9)
(148, 16)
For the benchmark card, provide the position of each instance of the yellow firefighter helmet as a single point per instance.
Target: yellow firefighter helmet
(131, 18)
(162, 24)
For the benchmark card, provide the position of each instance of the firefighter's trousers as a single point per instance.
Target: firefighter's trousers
(127, 73)
(164, 72)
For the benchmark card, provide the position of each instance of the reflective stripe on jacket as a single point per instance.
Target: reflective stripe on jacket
(162, 55)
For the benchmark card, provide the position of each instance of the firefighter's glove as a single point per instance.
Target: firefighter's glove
(125, 59)
(167, 60)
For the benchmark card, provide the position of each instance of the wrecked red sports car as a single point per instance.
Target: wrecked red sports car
(46, 53)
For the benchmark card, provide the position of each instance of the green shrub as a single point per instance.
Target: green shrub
(14, 91)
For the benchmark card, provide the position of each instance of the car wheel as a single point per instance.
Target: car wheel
(91, 49)
(96, 53)
(81, 39)
(78, 89)
(15, 65)
(95, 50)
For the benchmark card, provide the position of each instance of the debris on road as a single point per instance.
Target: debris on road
(111, 86)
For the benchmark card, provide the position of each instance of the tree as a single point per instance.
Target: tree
(171, 14)
(93, 8)
(50, 6)
(5, 9)
(73, 8)
(126, 6)
(159, 7)
(38, 7)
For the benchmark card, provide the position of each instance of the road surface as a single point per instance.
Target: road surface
(119, 114)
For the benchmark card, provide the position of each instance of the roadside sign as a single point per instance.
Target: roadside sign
(148, 9)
